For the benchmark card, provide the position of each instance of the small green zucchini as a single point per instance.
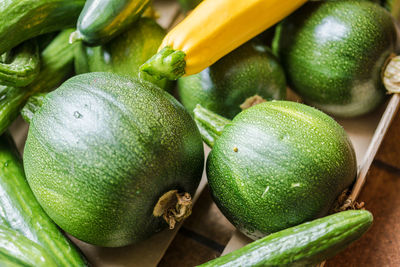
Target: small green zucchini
(21, 65)
(56, 65)
(20, 211)
(303, 245)
(102, 20)
(20, 251)
(24, 19)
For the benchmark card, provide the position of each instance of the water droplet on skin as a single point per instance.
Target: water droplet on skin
(77, 115)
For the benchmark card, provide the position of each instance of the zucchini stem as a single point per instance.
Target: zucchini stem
(75, 36)
(210, 124)
(391, 75)
(173, 207)
(32, 106)
(167, 63)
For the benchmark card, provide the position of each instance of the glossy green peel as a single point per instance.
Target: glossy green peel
(21, 251)
(21, 212)
(302, 245)
(102, 20)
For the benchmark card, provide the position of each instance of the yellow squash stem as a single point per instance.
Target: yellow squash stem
(212, 30)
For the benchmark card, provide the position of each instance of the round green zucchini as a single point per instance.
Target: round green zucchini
(103, 149)
(125, 53)
(249, 70)
(276, 165)
(334, 54)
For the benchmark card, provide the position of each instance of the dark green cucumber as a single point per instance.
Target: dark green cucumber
(22, 65)
(276, 165)
(249, 70)
(21, 251)
(20, 211)
(56, 65)
(103, 149)
(102, 20)
(303, 245)
(125, 53)
(334, 53)
(24, 19)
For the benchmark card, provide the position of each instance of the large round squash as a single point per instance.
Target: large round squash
(103, 149)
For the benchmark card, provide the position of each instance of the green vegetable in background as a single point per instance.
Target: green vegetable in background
(102, 20)
(249, 70)
(21, 65)
(24, 19)
(56, 64)
(125, 53)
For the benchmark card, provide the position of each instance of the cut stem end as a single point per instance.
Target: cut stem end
(391, 75)
(173, 207)
(167, 63)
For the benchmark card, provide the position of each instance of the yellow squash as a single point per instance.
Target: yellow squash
(212, 30)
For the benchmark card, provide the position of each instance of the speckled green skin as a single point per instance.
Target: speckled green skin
(249, 70)
(303, 245)
(333, 53)
(103, 149)
(124, 54)
(20, 211)
(25, 19)
(292, 162)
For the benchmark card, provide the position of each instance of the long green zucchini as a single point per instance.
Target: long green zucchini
(102, 20)
(302, 245)
(19, 210)
(19, 250)
(57, 63)
(24, 19)
(21, 66)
